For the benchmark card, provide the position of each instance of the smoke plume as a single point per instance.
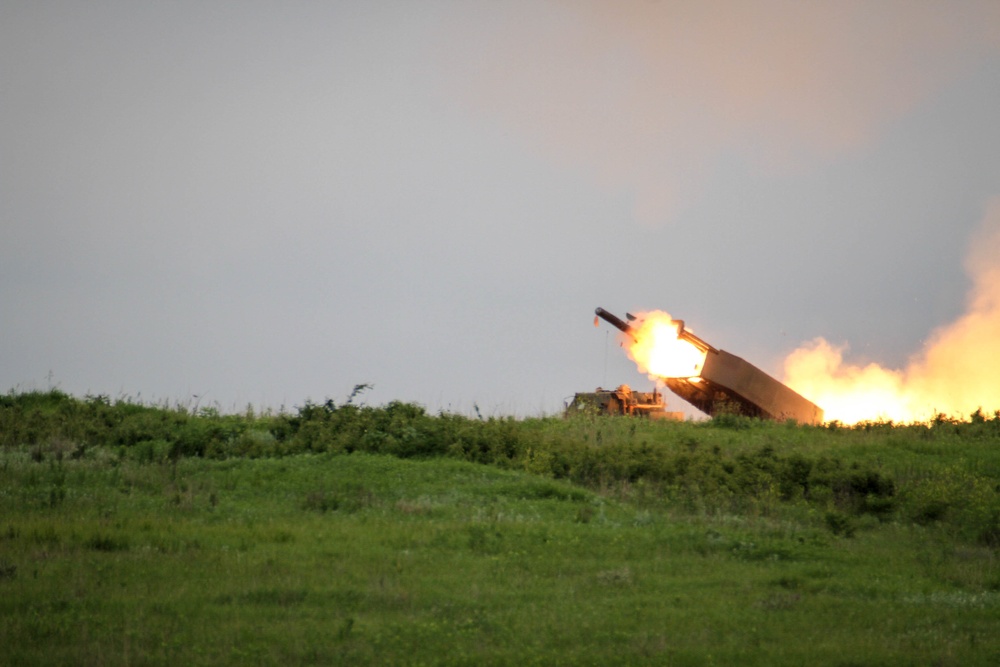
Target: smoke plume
(956, 372)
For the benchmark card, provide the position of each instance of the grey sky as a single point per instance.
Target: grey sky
(265, 203)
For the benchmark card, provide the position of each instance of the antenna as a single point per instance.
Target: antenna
(604, 382)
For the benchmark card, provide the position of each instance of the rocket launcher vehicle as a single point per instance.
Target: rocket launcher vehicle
(727, 383)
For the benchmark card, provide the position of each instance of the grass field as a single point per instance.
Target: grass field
(341, 534)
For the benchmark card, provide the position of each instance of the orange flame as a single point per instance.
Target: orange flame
(955, 374)
(658, 351)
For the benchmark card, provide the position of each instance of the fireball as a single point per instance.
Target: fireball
(658, 349)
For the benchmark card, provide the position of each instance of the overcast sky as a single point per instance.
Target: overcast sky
(269, 202)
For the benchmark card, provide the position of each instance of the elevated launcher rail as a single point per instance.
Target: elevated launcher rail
(727, 383)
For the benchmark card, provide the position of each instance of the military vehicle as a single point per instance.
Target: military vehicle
(728, 384)
(622, 401)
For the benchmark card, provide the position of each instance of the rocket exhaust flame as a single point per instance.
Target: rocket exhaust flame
(955, 374)
(660, 345)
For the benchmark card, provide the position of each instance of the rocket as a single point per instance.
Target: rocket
(614, 321)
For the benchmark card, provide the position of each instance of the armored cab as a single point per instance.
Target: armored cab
(622, 401)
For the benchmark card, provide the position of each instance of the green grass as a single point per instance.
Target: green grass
(395, 537)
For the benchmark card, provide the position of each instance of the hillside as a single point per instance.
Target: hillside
(345, 534)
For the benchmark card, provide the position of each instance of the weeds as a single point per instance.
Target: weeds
(347, 533)
(731, 463)
(372, 559)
